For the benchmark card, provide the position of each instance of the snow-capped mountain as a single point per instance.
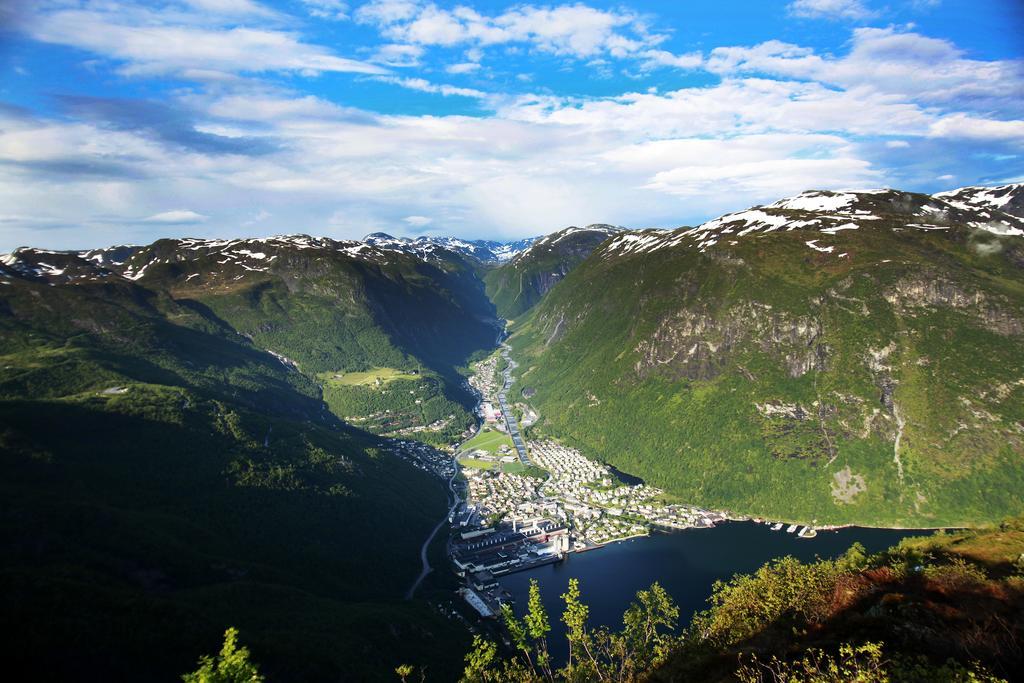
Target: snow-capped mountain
(1005, 198)
(994, 210)
(588, 235)
(518, 284)
(485, 251)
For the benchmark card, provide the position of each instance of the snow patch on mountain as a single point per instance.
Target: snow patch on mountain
(832, 213)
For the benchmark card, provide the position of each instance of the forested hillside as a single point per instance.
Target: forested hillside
(166, 476)
(860, 352)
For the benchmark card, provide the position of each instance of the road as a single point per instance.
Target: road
(506, 411)
(426, 544)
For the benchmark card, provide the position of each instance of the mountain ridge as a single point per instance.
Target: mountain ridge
(828, 343)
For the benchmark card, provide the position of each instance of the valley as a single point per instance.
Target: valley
(396, 434)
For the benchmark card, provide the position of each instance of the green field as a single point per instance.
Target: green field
(489, 440)
(366, 377)
(479, 464)
(506, 467)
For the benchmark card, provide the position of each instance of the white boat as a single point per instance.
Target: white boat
(791, 528)
(807, 532)
(777, 526)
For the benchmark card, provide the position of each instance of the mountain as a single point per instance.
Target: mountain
(174, 462)
(516, 286)
(1006, 198)
(325, 306)
(190, 430)
(860, 351)
(484, 251)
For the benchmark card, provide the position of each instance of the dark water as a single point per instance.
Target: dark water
(623, 477)
(686, 563)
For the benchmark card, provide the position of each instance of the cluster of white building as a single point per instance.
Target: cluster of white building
(580, 493)
(506, 495)
(485, 378)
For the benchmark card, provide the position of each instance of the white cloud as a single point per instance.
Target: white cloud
(387, 12)
(577, 30)
(399, 55)
(830, 9)
(782, 119)
(962, 126)
(150, 43)
(767, 179)
(258, 217)
(230, 7)
(327, 9)
(462, 68)
(657, 58)
(176, 217)
(885, 60)
(424, 85)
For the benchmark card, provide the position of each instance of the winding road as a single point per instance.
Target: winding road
(426, 544)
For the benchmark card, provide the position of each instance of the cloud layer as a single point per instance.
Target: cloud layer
(240, 133)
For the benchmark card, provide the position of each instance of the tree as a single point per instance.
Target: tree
(582, 664)
(648, 625)
(529, 636)
(232, 665)
(479, 659)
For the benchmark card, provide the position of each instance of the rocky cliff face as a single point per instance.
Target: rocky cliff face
(698, 344)
(933, 290)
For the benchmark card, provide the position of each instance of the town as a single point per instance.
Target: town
(521, 503)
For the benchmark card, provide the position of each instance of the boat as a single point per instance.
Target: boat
(776, 526)
(807, 532)
(791, 528)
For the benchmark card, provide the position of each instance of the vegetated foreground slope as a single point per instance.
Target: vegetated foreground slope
(933, 608)
(833, 357)
(948, 607)
(517, 285)
(165, 476)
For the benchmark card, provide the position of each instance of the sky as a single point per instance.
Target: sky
(123, 122)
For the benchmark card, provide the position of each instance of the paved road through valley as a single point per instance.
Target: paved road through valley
(510, 419)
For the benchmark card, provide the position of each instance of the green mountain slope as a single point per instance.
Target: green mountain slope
(859, 352)
(319, 305)
(164, 478)
(516, 286)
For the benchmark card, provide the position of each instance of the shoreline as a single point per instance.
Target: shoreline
(836, 527)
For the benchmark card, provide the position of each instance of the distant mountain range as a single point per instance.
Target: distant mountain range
(485, 251)
(519, 284)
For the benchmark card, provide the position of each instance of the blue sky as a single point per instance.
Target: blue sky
(122, 122)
